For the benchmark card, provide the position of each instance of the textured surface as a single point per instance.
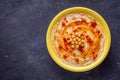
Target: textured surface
(23, 51)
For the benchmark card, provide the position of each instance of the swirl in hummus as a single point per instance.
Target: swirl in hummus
(78, 39)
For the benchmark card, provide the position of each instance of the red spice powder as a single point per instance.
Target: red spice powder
(63, 24)
(94, 24)
(76, 60)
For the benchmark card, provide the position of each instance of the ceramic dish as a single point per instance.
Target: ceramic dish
(103, 26)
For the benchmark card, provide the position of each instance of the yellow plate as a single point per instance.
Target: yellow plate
(105, 30)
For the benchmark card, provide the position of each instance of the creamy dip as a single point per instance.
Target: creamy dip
(78, 39)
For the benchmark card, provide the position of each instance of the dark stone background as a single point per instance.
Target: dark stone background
(23, 51)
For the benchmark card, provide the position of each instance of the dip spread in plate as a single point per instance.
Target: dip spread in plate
(77, 39)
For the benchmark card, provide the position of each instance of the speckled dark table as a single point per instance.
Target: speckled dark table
(23, 52)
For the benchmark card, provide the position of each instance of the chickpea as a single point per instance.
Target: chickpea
(73, 46)
(77, 38)
(82, 45)
(72, 42)
(79, 35)
(82, 40)
(71, 39)
(76, 42)
(68, 41)
(82, 37)
(79, 43)
(76, 34)
(74, 39)
(73, 36)
(76, 46)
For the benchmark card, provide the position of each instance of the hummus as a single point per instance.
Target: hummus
(78, 39)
